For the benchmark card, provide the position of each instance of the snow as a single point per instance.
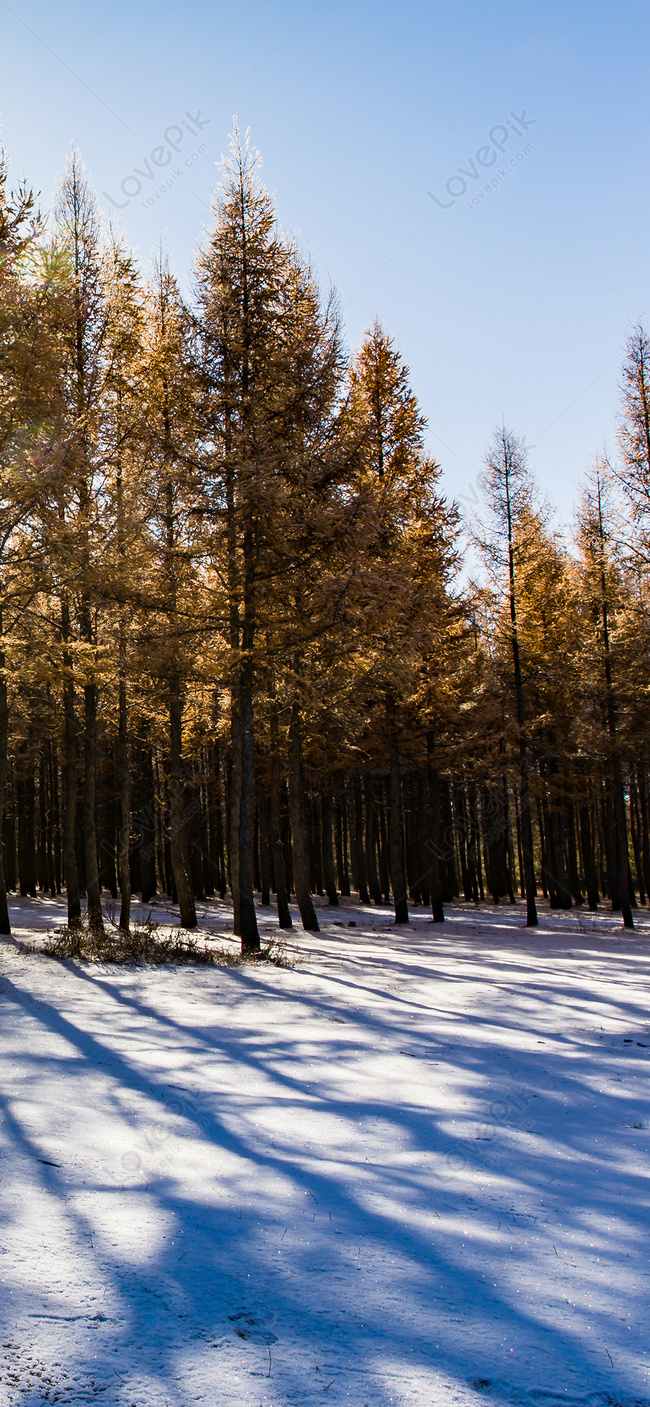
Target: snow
(409, 1169)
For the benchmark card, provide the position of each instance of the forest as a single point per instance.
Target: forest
(249, 649)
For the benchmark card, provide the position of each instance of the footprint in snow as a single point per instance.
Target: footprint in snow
(251, 1327)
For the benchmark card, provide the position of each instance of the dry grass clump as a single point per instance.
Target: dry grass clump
(145, 944)
(142, 944)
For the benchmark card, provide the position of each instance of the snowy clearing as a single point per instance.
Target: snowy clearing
(411, 1169)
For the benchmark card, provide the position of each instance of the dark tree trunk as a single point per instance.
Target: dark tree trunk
(68, 838)
(124, 834)
(591, 872)
(265, 855)
(496, 838)
(520, 853)
(359, 848)
(476, 842)
(148, 822)
(395, 822)
(609, 843)
(5, 926)
(93, 892)
(433, 843)
(41, 827)
(341, 837)
(328, 854)
(472, 847)
(645, 832)
(177, 819)
(621, 843)
(56, 820)
(215, 820)
(371, 839)
(384, 867)
(349, 827)
(315, 853)
(462, 832)
(542, 844)
(635, 831)
(556, 876)
(275, 819)
(26, 847)
(286, 834)
(9, 831)
(299, 832)
(194, 811)
(448, 873)
(572, 851)
(243, 805)
(49, 818)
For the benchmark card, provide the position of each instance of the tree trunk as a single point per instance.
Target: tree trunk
(395, 821)
(315, 851)
(93, 892)
(359, 848)
(265, 855)
(645, 830)
(524, 792)
(5, 926)
(371, 839)
(609, 839)
(277, 848)
(299, 825)
(244, 814)
(433, 844)
(341, 837)
(635, 830)
(527, 837)
(148, 823)
(328, 854)
(124, 835)
(621, 843)
(177, 829)
(572, 848)
(591, 872)
(68, 837)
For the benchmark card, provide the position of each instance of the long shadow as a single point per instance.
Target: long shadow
(229, 1257)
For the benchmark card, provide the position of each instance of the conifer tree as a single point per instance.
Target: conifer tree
(634, 434)
(23, 411)
(410, 558)
(270, 364)
(601, 587)
(508, 490)
(84, 346)
(173, 589)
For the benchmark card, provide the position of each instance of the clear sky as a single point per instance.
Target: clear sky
(510, 289)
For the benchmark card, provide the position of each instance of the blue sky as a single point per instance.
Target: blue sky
(512, 303)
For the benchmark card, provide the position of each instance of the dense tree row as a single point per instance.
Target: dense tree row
(238, 653)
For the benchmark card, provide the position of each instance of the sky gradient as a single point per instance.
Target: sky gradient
(476, 174)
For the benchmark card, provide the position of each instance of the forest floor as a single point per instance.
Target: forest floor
(411, 1168)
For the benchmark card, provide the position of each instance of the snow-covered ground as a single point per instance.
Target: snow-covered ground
(411, 1169)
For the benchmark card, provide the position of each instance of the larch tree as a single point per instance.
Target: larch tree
(172, 532)
(601, 588)
(83, 339)
(270, 364)
(25, 389)
(634, 435)
(410, 560)
(123, 440)
(508, 490)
